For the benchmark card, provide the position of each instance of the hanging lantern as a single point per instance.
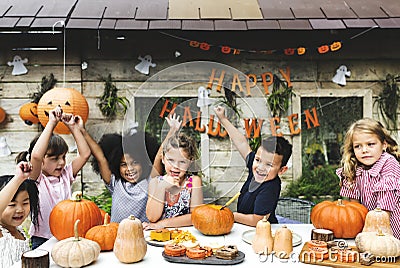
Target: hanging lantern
(71, 102)
(28, 113)
(2, 115)
(301, 50)
(323, 49)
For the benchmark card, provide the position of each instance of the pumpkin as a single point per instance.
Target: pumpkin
(344, 218)
(2, 115)
(28, 113)
(194, 44)
(225, 49)
(103, 214)
(65, 213)
(204, 46)
(212, 219)
(335, 46)
(130, 245)
(70, 100)
(104, 234)
(301, 50)
(289, 51)
(378, 244)
(377, 219)
(283, 242)
(75, 251)
(263, 240)
(323, 49)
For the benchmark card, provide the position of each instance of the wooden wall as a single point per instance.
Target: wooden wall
(308, 74)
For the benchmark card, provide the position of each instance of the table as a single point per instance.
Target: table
(154, 257)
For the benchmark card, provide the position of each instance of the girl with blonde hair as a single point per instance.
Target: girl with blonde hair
(370, 169)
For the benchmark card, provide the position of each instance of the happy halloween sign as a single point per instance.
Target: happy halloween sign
(252, 125)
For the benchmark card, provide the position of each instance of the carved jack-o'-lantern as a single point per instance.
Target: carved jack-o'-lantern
(194, 44)
(289, 51)
(70, 100)
(301, 50)
(225, 49)
(335, 46)
(204, 46)
(28, 113)
(323, 49)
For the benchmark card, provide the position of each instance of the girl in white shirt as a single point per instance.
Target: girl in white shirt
(18, 199)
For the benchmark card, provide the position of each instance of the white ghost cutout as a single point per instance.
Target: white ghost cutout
(4, 149)
(144, 66)
(19, 67)
(340, 76)
(203, 97)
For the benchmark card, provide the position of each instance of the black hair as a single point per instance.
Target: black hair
(278, 145)
(141, 146)
(31, 188)
(57, 146)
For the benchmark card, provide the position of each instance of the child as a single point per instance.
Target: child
(173, 196)
(260, 193)
(47, 153)
(124, 165)
(370, 171)
(18, 198)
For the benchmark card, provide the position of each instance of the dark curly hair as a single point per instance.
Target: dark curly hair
(31, 188)
(141, 146)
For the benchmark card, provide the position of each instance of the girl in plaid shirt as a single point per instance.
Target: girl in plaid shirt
(370, 172)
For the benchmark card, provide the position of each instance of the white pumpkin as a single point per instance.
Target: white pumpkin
(378, 244)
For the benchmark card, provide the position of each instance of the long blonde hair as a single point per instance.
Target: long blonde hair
(365, 125)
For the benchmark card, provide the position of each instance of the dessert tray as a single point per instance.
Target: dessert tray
(209, 260)
(248, 236)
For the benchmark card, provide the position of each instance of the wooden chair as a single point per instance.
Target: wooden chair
(295, 209)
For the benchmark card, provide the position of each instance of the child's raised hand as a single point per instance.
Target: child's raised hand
(174, 122)
(79, 122)
(220, 112)
(55, 115)
(68, 120)
(23, 170)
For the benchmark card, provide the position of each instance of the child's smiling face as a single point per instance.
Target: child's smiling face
(130, 169)
(266, 165)
(367, 147)
(176, 162)
(16, 211)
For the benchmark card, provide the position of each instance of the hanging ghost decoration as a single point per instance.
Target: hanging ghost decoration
(203, 97)
(19, 67)
(4, 149)
(144, 66)
(340, 76)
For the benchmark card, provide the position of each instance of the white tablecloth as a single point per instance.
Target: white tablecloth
(153, 257)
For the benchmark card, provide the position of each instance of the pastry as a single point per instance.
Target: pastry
(196, 253)
(160, 235)
(317, 244)
(174, 250)
(227, 252)
(175, 233)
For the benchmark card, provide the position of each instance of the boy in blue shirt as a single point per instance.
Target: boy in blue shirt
(260, 193)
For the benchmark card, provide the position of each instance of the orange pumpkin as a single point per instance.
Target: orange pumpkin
(70, 100)
(28, 113)
(65, 213)
(2, 115)
(225, 49)
(301, 50)
(204, 46)
(289, 51)
(335, 46)
(104, 234)
(344, 218)
(323, 49)
(103, 214)
(210, 219)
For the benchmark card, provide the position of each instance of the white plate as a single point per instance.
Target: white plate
(248, 236)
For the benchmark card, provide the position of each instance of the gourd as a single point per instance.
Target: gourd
(378, 244)
(75, 251)
(344, 218)
(283, 242)
(212, 219)
(130, 245)
(64, 215)
(104, 234)
(377, 219)
(263, 240)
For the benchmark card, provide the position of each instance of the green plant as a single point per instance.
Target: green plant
(319, 181)
(388, 101)
(109, 103)
(279, 99)
(103, 200)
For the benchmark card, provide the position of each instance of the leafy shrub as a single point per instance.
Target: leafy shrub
(317, 182)
(102, 200)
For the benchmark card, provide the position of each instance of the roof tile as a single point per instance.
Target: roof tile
(83, 24)
(263, 24)
(165, 24)
(47, 22)
(327, 24)
(225, 25)
(388, 23)
(8, 22)
(295, 25)
(359, 23)
(206, 25)
(132, 25)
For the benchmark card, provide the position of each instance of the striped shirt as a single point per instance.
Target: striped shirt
(378, 186)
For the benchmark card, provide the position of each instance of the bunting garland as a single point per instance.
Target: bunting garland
(225, 49)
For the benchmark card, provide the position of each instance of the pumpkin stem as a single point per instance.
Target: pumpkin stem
(105, 219)
(76, 233)
(131, 217)
(340, 202)
(379, 233)
(76, 196)
(264, 219)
